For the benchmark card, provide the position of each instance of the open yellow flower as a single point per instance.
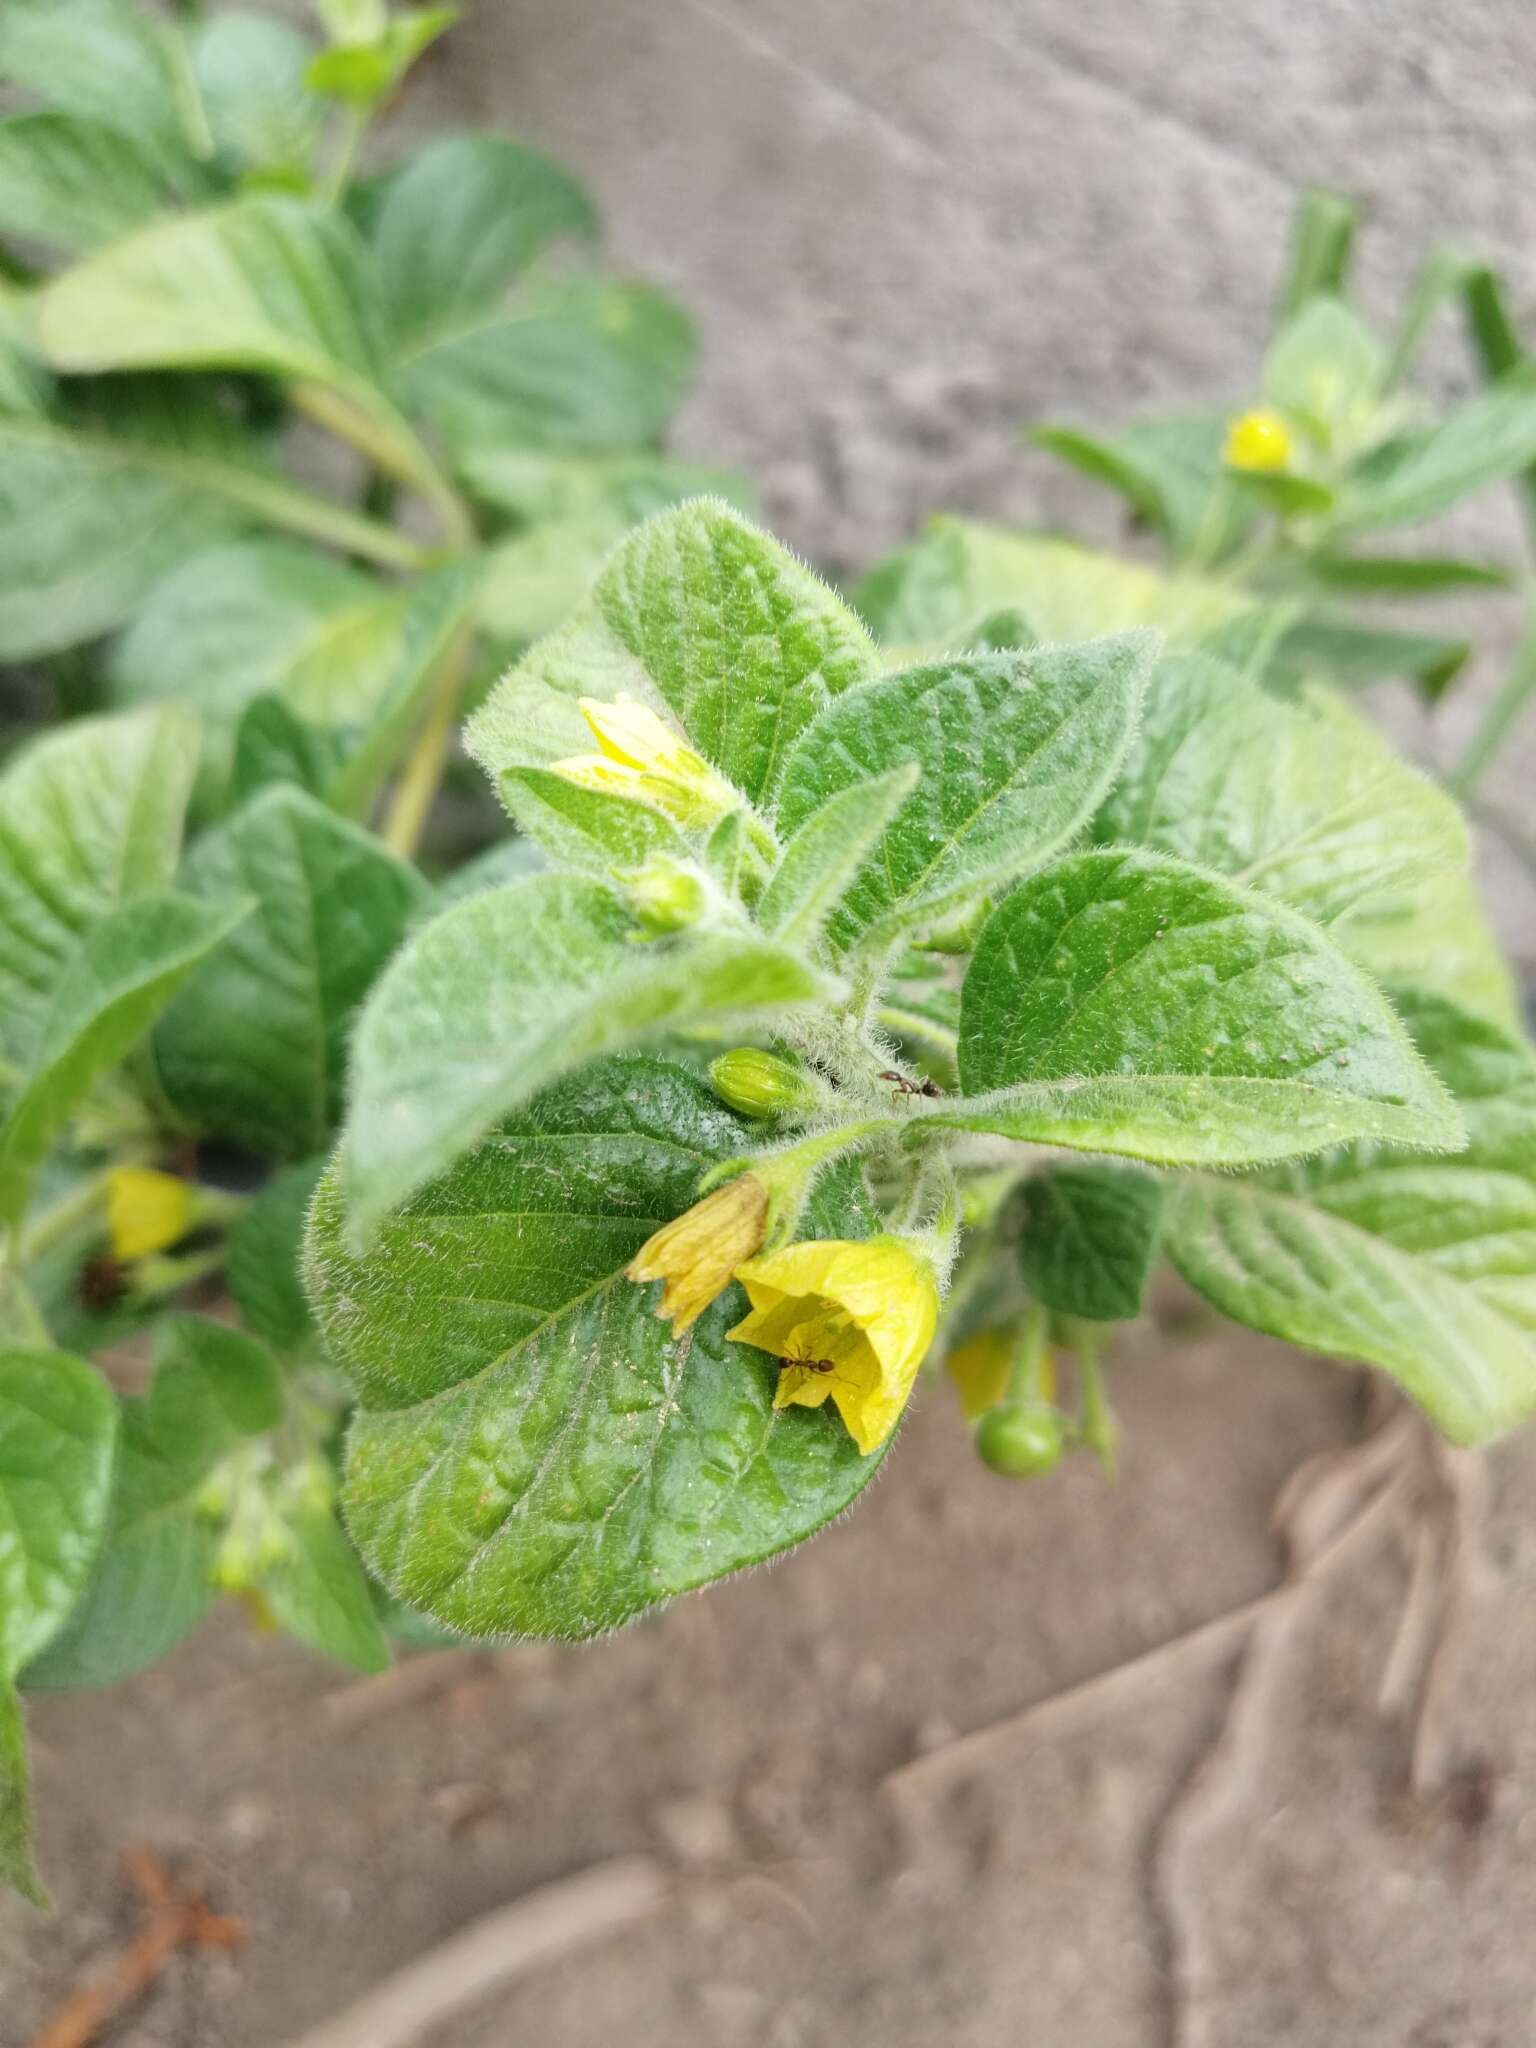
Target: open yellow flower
(147, 1211)
(1257, 440)
(642, 757)
(697, 1254)
(854, 1320)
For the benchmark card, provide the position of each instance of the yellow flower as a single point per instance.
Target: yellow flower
(641, 756)
(1258, 440)
(697, 1254)
(147, 1211)
(983, 1365)
(858, 1316)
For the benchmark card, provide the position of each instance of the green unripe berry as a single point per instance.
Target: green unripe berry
(665, 895)
(1021, 1443)
(761, 1083)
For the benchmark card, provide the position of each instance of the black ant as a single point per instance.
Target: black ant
(808, 1364)
(905, 1087)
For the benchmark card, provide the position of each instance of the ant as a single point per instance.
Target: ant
(808, 1364)
(905, 1087)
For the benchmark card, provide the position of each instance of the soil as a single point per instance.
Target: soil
(1316, 1825)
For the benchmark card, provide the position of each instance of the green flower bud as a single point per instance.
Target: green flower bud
(1021, 1443)
(761, 1083)
(665, 895)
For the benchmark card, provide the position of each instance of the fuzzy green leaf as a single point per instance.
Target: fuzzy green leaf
(586, 828)
(1491, 437)
(318, 1591)
(703, 612)
(108, 60)
(536, 1453)
(460, 222)
(826, 852)
(58, 1425)
(126, 968)
(1295, 796)
(263, 1268)
(1089, 1238)
(1423, 1267)
(1016, 749)
(1124, 1002)
(1436, 936)
(507, 991)
(254, 1048)
(72, 182)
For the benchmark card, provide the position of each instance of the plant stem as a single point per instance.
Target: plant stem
(390, 446)
(1499, 720)
(904, 1023)
(354, 128)
(422, 775)
(66, 1214)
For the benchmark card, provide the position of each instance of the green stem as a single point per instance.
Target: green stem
(354, 128)
(420, 779)
(1028, 1360)
(66, 1215)
(903, 1023)
(1499, 720)
(1096, 1421)
(1321, 242)
(390, 446)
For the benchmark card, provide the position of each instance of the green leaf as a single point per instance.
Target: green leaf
(1168, 469)
(1401, 575)
(825, 854)
(586, 364)
(126, 968)
(705, 613)
(1438, 937)
(319, 1593)
(213, 1389)
(73, 182)
(107, 60)
(1423, 1267)
(1016, 749)
(263, 1263)
(544, 975)
(1125, 1002)
(1322, 240)
(1089, 1239)
(1293, 796)
(586, 828)
(250, 72)
(254, 1047)
(123, 483)
(364, 72)
(537, 1454)
(18, 1868)
(1327, 369)
(1482, 442)
(90, 815)
(460, 223)
(1354, 654)
(265, 282)
(58, 1425)
(237, 621)
(572, 491)
(932, 594)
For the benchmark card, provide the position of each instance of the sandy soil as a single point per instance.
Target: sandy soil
(1219, 1845)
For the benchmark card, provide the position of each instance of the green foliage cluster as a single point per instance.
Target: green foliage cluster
(1044, 910)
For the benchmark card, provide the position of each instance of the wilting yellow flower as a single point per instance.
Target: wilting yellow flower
(1258, 440)
(147, 1211)
(983, 1365)
(858, 1317)
(641, 756)
(697, 1254)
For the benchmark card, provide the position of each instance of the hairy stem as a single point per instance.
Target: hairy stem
(416, 791)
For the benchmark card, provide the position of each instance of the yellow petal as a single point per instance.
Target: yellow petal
(696, 1255)
(980, 1369)
(147, 1211)
(630, 732)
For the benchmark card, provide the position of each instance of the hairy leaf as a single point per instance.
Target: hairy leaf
(1295, 797)
(826, 852)
(586, 828)
(536, 1453)
(263, 1267)
(1125, 1002)
(1423, 1267)
(1016, 749)
(544, 975)
(318, 1591)
(700, 610)
(1089, 1239)
(58, 1424)
(254, 1048)
(1491, 437)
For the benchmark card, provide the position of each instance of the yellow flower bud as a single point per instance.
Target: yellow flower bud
(761, 1083)
(850, 1321)
(696, 1255)
(1258, 441)
(982, 1367)
(147, 1211)
(642, 757)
